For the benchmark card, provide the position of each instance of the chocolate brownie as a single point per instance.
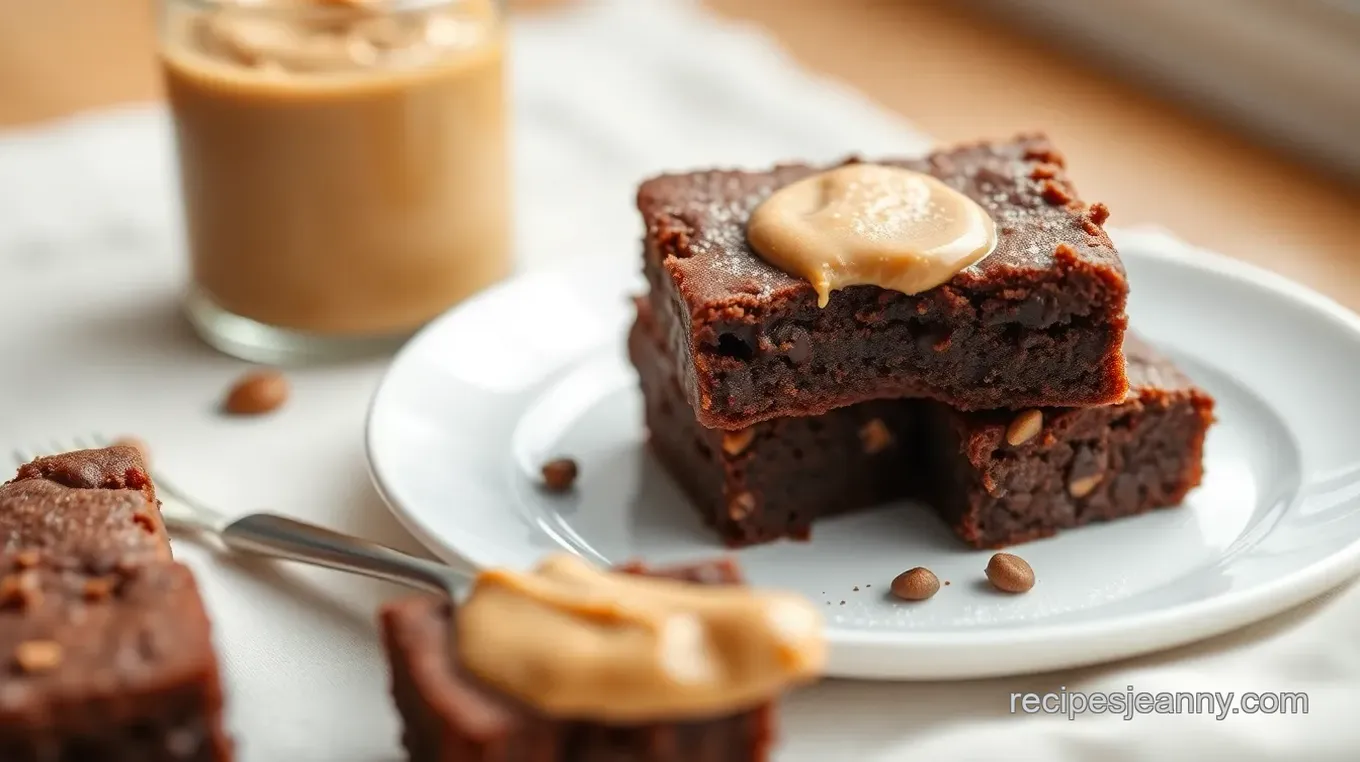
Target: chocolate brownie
(94, 507)
(1078, 464)
(773, 478)
(105, 647)
(448, 716)
(1038, 322)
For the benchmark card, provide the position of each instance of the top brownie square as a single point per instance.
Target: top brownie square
(1039, 322)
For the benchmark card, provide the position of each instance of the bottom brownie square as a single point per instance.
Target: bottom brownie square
(1001, 478)
(449, 716)
(998, 478)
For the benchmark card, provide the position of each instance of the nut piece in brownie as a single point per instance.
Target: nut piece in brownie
(105, 647)
(452, 715)
(997, 477)
(1037, 322)
(1001, 478)
(771, 479)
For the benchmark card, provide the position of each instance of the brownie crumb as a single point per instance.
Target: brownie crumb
(256, 393)
(559, 474)
(1055, 193)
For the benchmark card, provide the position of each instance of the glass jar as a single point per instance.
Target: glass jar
(343, 165)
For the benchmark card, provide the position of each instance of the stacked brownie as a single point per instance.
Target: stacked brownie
(105, 648)
(1010, 397)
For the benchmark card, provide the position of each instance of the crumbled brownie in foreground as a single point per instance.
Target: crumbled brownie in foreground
(105, 647)
(1073, 466)
(999, 486)
(449, 716)
(1038, 322)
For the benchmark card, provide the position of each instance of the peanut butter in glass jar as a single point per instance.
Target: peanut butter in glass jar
(344, 166)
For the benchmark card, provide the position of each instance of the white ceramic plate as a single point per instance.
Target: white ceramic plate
(536, 368)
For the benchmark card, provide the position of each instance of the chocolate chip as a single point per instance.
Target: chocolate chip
(875, 437)
(1009, 573)
(559, 474)
(1023, 427)
(38, 655)
(736, 442)
(916, 584)
(257, 393)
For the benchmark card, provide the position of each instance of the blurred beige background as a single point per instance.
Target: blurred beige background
(955, 74)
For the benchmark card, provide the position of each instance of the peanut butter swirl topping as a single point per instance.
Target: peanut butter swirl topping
(868, 224)
(580, 642)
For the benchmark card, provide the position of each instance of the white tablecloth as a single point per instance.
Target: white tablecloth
(91, 265)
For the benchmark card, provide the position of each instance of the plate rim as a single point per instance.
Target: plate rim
(1157, 629)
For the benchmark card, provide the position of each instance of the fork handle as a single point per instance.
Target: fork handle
(281, 537)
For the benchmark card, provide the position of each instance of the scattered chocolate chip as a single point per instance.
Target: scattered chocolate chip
(257, 393)
(1009, 573)
(1023, 427)
(37, 655)
(842, 603)
(741, 506)
(874, 437)
(559, 474)
(946, 583)
(916, 584)
(736, 442)
(1083, 486)
(856, 589)
(136, 444)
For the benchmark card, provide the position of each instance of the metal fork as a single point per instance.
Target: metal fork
(269, 534)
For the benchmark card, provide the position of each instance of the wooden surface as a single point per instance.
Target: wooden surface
(956, 75)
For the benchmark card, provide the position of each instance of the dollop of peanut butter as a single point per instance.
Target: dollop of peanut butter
(580, 642)
(869, 224)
